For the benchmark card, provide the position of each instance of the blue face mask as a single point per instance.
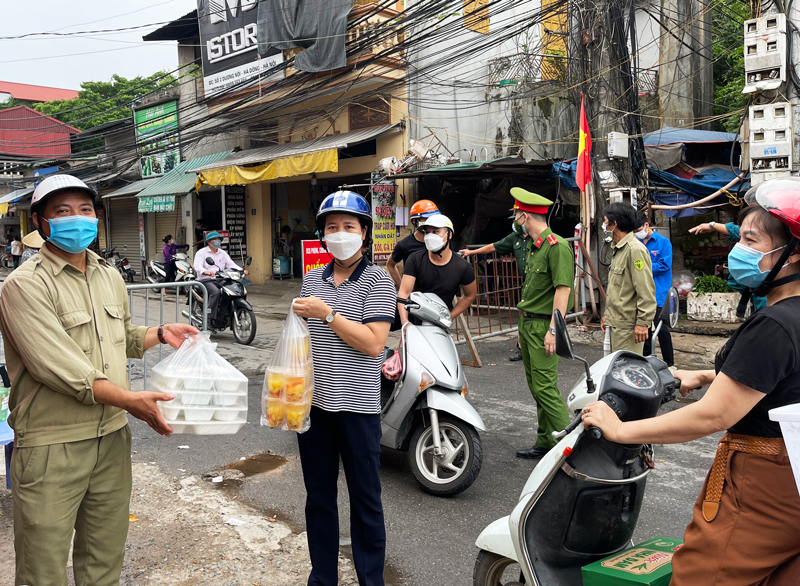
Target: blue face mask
(521, 226)
(743, 264)
(72, 234)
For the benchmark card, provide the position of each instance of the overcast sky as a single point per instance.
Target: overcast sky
(67, 61)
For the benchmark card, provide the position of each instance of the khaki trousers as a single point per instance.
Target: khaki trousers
(754, 540)
(624, 339)
(85, 486)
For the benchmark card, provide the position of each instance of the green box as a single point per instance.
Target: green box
(648, 564)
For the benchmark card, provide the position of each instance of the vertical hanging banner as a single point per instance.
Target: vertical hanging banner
(229, 45)
(384, 234)
(157, 135)
(235, 219)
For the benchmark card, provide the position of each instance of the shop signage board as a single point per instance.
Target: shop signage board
(157, 133)
(236, 220)
(156, 203)
(314, 255)
(229, 41)
(384, 227)
(142, 249)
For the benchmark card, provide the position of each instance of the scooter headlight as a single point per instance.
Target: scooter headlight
(425, 381)
(444, 316)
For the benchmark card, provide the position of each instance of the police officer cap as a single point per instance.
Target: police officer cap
(527, 201)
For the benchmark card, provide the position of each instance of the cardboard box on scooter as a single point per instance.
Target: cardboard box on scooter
(649, 564)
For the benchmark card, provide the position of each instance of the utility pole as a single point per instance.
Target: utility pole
(685, 74)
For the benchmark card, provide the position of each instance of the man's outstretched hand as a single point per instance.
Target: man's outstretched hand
(176, 334)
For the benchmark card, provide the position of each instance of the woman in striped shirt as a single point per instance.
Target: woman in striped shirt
(350, 305)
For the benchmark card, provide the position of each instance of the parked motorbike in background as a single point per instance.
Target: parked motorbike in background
(582, 501)
(156, 273)
(233, 310)
(120, 263)
(426, 412)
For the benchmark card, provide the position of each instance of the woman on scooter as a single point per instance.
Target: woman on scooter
(350, 305)
(744, 529)
(170, 250)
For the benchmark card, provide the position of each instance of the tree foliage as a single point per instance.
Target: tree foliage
(11, 103)
(103, 101)
(728, 38)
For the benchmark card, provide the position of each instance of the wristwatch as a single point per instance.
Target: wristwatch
(329, 318)
(552, 331)
(711, 225)
(160, 333)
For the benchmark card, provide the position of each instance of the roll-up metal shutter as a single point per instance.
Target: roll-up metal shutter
(124, 233)
(169, 223)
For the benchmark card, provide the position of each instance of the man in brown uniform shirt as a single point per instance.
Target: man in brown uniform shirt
(67, 332)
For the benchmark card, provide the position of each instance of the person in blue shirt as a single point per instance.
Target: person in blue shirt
(731, 232)
(661, 256)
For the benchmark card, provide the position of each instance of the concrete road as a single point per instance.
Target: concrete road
(430, 540)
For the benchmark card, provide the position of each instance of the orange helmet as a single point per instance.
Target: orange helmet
(422, 209)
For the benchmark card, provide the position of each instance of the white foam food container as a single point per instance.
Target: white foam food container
(206, 427)
(789, 418)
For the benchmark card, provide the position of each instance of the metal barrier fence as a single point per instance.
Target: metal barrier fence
(147, 314)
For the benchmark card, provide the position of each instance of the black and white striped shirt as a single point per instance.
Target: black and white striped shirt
(346, 379)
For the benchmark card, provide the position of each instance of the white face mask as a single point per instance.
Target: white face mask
(215, 243)
(605, 227)
(434, 242)
(343, 245)
(641, 234)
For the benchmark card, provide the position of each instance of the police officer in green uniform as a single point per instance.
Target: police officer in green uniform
(516, 242)
(549, 277)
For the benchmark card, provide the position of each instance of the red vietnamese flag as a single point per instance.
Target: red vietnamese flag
(583, 175)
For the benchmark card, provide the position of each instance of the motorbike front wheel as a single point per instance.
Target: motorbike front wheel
(457, 468)
(153, 276)
(492, 569)
(244, 325)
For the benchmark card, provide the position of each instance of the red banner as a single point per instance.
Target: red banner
(314, 255)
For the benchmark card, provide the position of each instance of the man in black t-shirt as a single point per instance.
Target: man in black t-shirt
(199, 233)
(438, 270)
(412, 243)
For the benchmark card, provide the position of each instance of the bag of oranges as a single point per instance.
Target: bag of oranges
(289, 381)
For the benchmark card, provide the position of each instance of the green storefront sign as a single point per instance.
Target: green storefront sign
(157, 136)
(156, 203)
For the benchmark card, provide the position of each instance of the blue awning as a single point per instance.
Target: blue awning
(701, 185)
(672, 135)
(676, 199)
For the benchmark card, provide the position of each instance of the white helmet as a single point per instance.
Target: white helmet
(437, 221)
(59, 183)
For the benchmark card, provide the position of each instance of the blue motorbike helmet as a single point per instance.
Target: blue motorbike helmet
(345, 202)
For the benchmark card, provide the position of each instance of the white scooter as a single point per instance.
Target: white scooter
(581, 503)
(156, 273)
(426, 412)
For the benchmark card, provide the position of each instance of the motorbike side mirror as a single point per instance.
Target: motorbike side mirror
(564, 348)
(563, 343)
(670, 312)
(210, 261)
(249, 261)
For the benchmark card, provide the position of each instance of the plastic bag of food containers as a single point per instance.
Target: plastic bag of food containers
(289, 381)
(210, 394)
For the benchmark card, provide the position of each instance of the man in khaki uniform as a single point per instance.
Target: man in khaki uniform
(631, 291)
(67, 332)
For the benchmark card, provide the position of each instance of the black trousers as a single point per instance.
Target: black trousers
(355, 439)
(664, 341)
(213, 286)
(169, 269)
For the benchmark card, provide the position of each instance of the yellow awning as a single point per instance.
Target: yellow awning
(3, 208)
(302, 164)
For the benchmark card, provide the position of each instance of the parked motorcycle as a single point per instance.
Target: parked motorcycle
(233, 310)
(120, 263)
(581, 503)
(426, 411)
(184, 271)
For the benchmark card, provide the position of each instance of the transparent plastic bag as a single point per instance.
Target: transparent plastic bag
(289, 380)
(210, 393)
(393, 367)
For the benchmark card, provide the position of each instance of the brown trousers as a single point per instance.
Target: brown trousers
(755, 538)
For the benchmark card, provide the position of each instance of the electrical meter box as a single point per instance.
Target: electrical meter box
(617, 145)
(622, 194)
(764, 53)
(771, 140)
